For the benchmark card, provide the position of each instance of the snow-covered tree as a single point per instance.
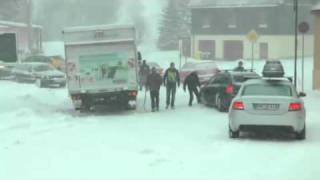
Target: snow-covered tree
(174, 25)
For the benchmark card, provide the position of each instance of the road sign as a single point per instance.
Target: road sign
(252, 36)
(304, 27)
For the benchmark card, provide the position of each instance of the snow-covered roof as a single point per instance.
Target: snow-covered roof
(96, 27)
(17, 24)
(2, 26)
(194, 4)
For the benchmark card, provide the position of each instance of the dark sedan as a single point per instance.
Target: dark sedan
(223, 87)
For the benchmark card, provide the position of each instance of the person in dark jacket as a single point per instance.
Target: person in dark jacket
(154, 82)
(143, 74)
(192, 81)
(239, 67)
(171, 79)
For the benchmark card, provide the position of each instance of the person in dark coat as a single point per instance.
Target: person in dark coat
(143, 74)
(192, 81)
(154, 82)
(239, 67)
(171, 79)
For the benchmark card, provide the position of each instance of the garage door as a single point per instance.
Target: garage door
(8, 49)
(233, 50)
(207, 49)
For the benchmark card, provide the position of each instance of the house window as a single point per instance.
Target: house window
(263, 26)
(263, 20)
(232, 26)
(206, 23)
(232, 19)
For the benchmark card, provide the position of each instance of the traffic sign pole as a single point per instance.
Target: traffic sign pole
(302, 67)
(303, 28)
(296, 42)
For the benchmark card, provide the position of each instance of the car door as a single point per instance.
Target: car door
(221, 86)
(212, 88)
(26, 73)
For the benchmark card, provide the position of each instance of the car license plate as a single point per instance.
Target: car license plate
(266, 107)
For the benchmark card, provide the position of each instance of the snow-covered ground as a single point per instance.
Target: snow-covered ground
(41, 137)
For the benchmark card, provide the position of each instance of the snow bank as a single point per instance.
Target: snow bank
(43, 138)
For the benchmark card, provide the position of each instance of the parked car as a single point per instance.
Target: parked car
(157, 66)
(273, 69)
(5, 70)
(205, 69)
(223, 87)
(56, 61)
(44, 75)
(268, 103)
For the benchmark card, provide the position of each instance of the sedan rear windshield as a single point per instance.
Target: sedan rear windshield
(267, 90)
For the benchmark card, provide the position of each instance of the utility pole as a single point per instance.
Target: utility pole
(296, 7)
(29, 24)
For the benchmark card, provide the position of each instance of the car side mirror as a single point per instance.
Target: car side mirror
(302, 94)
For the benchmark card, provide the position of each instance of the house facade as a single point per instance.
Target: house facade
(21, 32)
(220, 29)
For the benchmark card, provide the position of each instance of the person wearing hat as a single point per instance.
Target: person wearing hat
(154, 81)
(239, 67)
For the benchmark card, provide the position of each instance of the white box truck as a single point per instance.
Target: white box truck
(101, 66)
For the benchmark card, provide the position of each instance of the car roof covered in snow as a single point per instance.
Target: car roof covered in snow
(96, 27)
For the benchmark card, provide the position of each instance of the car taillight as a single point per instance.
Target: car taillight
(295, 107)
(132, 94)
(238, 105)
(229, 89)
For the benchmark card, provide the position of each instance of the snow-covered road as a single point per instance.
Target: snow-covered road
(41, 137)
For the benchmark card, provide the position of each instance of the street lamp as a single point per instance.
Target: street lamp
(29, 24)
(296, 6)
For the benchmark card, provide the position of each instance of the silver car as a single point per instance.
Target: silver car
(267, 103)
(43, 74)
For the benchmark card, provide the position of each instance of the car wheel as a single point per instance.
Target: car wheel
(219, 104)
(39, 83)
(202, 99)
(301, 135)
(233, 134)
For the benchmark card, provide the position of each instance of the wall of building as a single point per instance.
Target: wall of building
(22, 39)
(280, 46)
